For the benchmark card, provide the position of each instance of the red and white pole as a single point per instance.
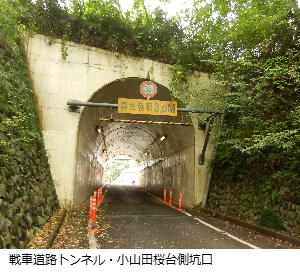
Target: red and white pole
(165, 195)
(100, 195)
(170, 199)
(180, 202)
(91, 207)
(96, 195)
(94, 208)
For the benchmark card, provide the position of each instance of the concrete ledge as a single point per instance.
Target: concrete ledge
(264, 230)
(55, 232)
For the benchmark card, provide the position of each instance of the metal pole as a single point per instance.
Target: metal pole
(202, 156)
(91, 104)
(75, 104)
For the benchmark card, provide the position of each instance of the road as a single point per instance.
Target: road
(131, 218)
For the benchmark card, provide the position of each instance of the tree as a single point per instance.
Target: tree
(252, 48)
(115, 169)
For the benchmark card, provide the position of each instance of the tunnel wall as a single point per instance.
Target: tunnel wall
(176, 173)
(89, 173)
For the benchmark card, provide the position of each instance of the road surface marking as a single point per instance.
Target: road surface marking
(226, 233)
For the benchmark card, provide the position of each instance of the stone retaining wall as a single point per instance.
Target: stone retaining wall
(27, 200)
(245, 202)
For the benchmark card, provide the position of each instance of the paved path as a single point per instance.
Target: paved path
(130, 218)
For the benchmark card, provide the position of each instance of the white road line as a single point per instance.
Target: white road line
(186, 213)
(226, 233)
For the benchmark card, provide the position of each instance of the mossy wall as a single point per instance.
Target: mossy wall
(27, 193)
(280, 211)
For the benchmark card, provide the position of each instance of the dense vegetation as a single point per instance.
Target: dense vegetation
(251, 46)
(27, 193)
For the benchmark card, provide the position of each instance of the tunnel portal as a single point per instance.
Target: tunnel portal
(79, 144)
(164, 153)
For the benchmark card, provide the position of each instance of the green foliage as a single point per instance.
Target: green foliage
(21, 141)
(260, 139)
(115, 169)
(100, 23)
(269, 219)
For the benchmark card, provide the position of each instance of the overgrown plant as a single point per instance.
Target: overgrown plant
(269, 219)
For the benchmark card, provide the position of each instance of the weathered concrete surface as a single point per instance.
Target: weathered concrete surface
(78, 153)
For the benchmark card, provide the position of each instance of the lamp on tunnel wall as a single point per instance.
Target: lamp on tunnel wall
(156, 140)
(162, 138)
(98, 129)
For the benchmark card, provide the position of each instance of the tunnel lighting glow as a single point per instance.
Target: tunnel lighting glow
(162, 138)
(99, 130)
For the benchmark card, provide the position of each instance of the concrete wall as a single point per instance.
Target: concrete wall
(176, 173)
(56, 80)
(71, 145)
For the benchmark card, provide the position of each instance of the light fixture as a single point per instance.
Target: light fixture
(99, 130)
(162, 138)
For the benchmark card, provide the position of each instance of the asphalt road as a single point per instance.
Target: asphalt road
(130, 218)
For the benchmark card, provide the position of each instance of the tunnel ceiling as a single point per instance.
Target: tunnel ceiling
(141, 142)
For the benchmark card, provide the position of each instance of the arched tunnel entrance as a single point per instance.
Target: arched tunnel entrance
(165, 153)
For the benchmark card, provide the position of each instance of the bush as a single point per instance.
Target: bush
(269, 219)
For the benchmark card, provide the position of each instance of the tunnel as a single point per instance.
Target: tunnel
(164, 163)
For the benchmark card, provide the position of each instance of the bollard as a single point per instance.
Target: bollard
(91, 207)
(170, 199)
(165, 195)
(94, 203)
(93, 214)
(100, 197)
(180, 202)
(96, 194)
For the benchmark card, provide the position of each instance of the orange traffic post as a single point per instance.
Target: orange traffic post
(180, 202)
(95, 194)
(100, 198)
(94, 211)
(93, 214)
(91, 207)
(170, 199)
(165, 195)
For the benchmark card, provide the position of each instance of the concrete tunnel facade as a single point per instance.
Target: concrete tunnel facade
(78, 152)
